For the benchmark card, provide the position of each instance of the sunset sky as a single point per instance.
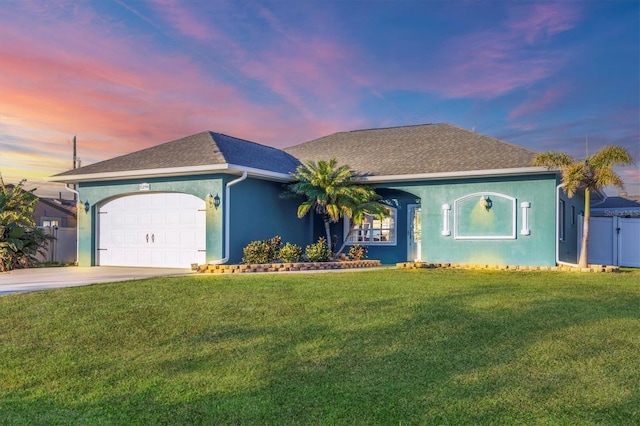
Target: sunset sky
(123, 75)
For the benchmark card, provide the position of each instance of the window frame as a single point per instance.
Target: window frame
(392, 230)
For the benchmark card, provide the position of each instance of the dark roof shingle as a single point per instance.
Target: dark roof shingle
(206, 148)
(427, 148)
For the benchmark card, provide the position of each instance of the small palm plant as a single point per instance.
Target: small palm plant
(334, 192)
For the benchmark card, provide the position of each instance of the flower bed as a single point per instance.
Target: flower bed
(591, 268)
(287, 267)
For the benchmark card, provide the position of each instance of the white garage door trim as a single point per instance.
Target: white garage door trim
(152, 230)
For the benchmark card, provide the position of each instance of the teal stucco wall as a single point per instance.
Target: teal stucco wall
(98, 193)
(478, 235)
(574, 208)
(481, 236)
(259, 212)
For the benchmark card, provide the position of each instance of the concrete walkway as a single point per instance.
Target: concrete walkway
(23, 280)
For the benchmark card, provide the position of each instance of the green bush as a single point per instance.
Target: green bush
(291, 253)
(357, 252)
(20, 240)
(262, 251)
(318, 252)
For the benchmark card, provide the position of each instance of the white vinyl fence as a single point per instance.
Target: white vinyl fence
(613, 240)
(63, 248)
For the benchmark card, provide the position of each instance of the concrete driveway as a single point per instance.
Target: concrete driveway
(23, 280)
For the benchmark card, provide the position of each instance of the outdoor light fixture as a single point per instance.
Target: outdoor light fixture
(486, 202)
(86, 207)
(213, 201)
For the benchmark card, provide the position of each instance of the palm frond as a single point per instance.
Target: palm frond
(610, 155)
(552, 159)
(604, 177)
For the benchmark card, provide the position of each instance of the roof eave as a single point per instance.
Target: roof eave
(172, 171)
(458, 174)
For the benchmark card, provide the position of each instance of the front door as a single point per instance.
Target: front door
(414, 240)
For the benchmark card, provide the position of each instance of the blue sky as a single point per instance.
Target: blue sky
(124, 75)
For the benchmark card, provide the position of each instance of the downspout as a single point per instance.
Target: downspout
(77, 223)
(227, 216)
(558, 261)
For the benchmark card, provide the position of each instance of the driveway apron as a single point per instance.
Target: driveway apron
(33, 279)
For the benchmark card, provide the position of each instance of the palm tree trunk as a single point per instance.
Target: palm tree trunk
(327, 230)
(584, 255)
(344, 241)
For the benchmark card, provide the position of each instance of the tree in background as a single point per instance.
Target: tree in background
(334, 192)
(592, 174)
(20, 240)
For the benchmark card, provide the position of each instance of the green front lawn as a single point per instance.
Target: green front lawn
(382, 347)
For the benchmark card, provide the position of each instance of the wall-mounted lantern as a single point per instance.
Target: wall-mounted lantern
(213, 201)
(86, 207)
(486, 202)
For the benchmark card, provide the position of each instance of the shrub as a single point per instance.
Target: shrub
(318, 252)
(291, 253)
(20, 240)
(262, 251)
(357, 252)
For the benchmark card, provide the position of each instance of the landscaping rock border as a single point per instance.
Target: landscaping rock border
(287, 267)
(591, 268)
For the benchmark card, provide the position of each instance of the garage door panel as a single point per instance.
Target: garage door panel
(154, 229)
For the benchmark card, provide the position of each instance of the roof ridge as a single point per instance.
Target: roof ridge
(243, 140)
(391, 127)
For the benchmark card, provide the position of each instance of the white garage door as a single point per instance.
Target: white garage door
(155, 230)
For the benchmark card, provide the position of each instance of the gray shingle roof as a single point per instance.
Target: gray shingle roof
(428, 148)
(206, 148)
(630, 202)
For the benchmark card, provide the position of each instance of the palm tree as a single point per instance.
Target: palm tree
(333, 192)
(592, 174)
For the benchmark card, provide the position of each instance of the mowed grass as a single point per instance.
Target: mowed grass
(379, 347)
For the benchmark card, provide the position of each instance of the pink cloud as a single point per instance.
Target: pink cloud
(70, 77)
(185, 21)
(306, 73)
(541, 20)
(492, 62)
(534, 105)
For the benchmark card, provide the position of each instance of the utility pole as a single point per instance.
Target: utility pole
(75, 162)
(75, 158)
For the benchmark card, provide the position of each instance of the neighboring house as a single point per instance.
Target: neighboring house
(453, 195)
(55, 212)
(51, 212)
(57, 216)
(614, 228)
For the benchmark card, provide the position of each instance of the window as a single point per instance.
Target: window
(573, 216)
(50, 222)
(561, 220)
(373, 230)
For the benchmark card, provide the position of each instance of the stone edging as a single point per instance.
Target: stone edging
(591, 268)
(284, 267)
